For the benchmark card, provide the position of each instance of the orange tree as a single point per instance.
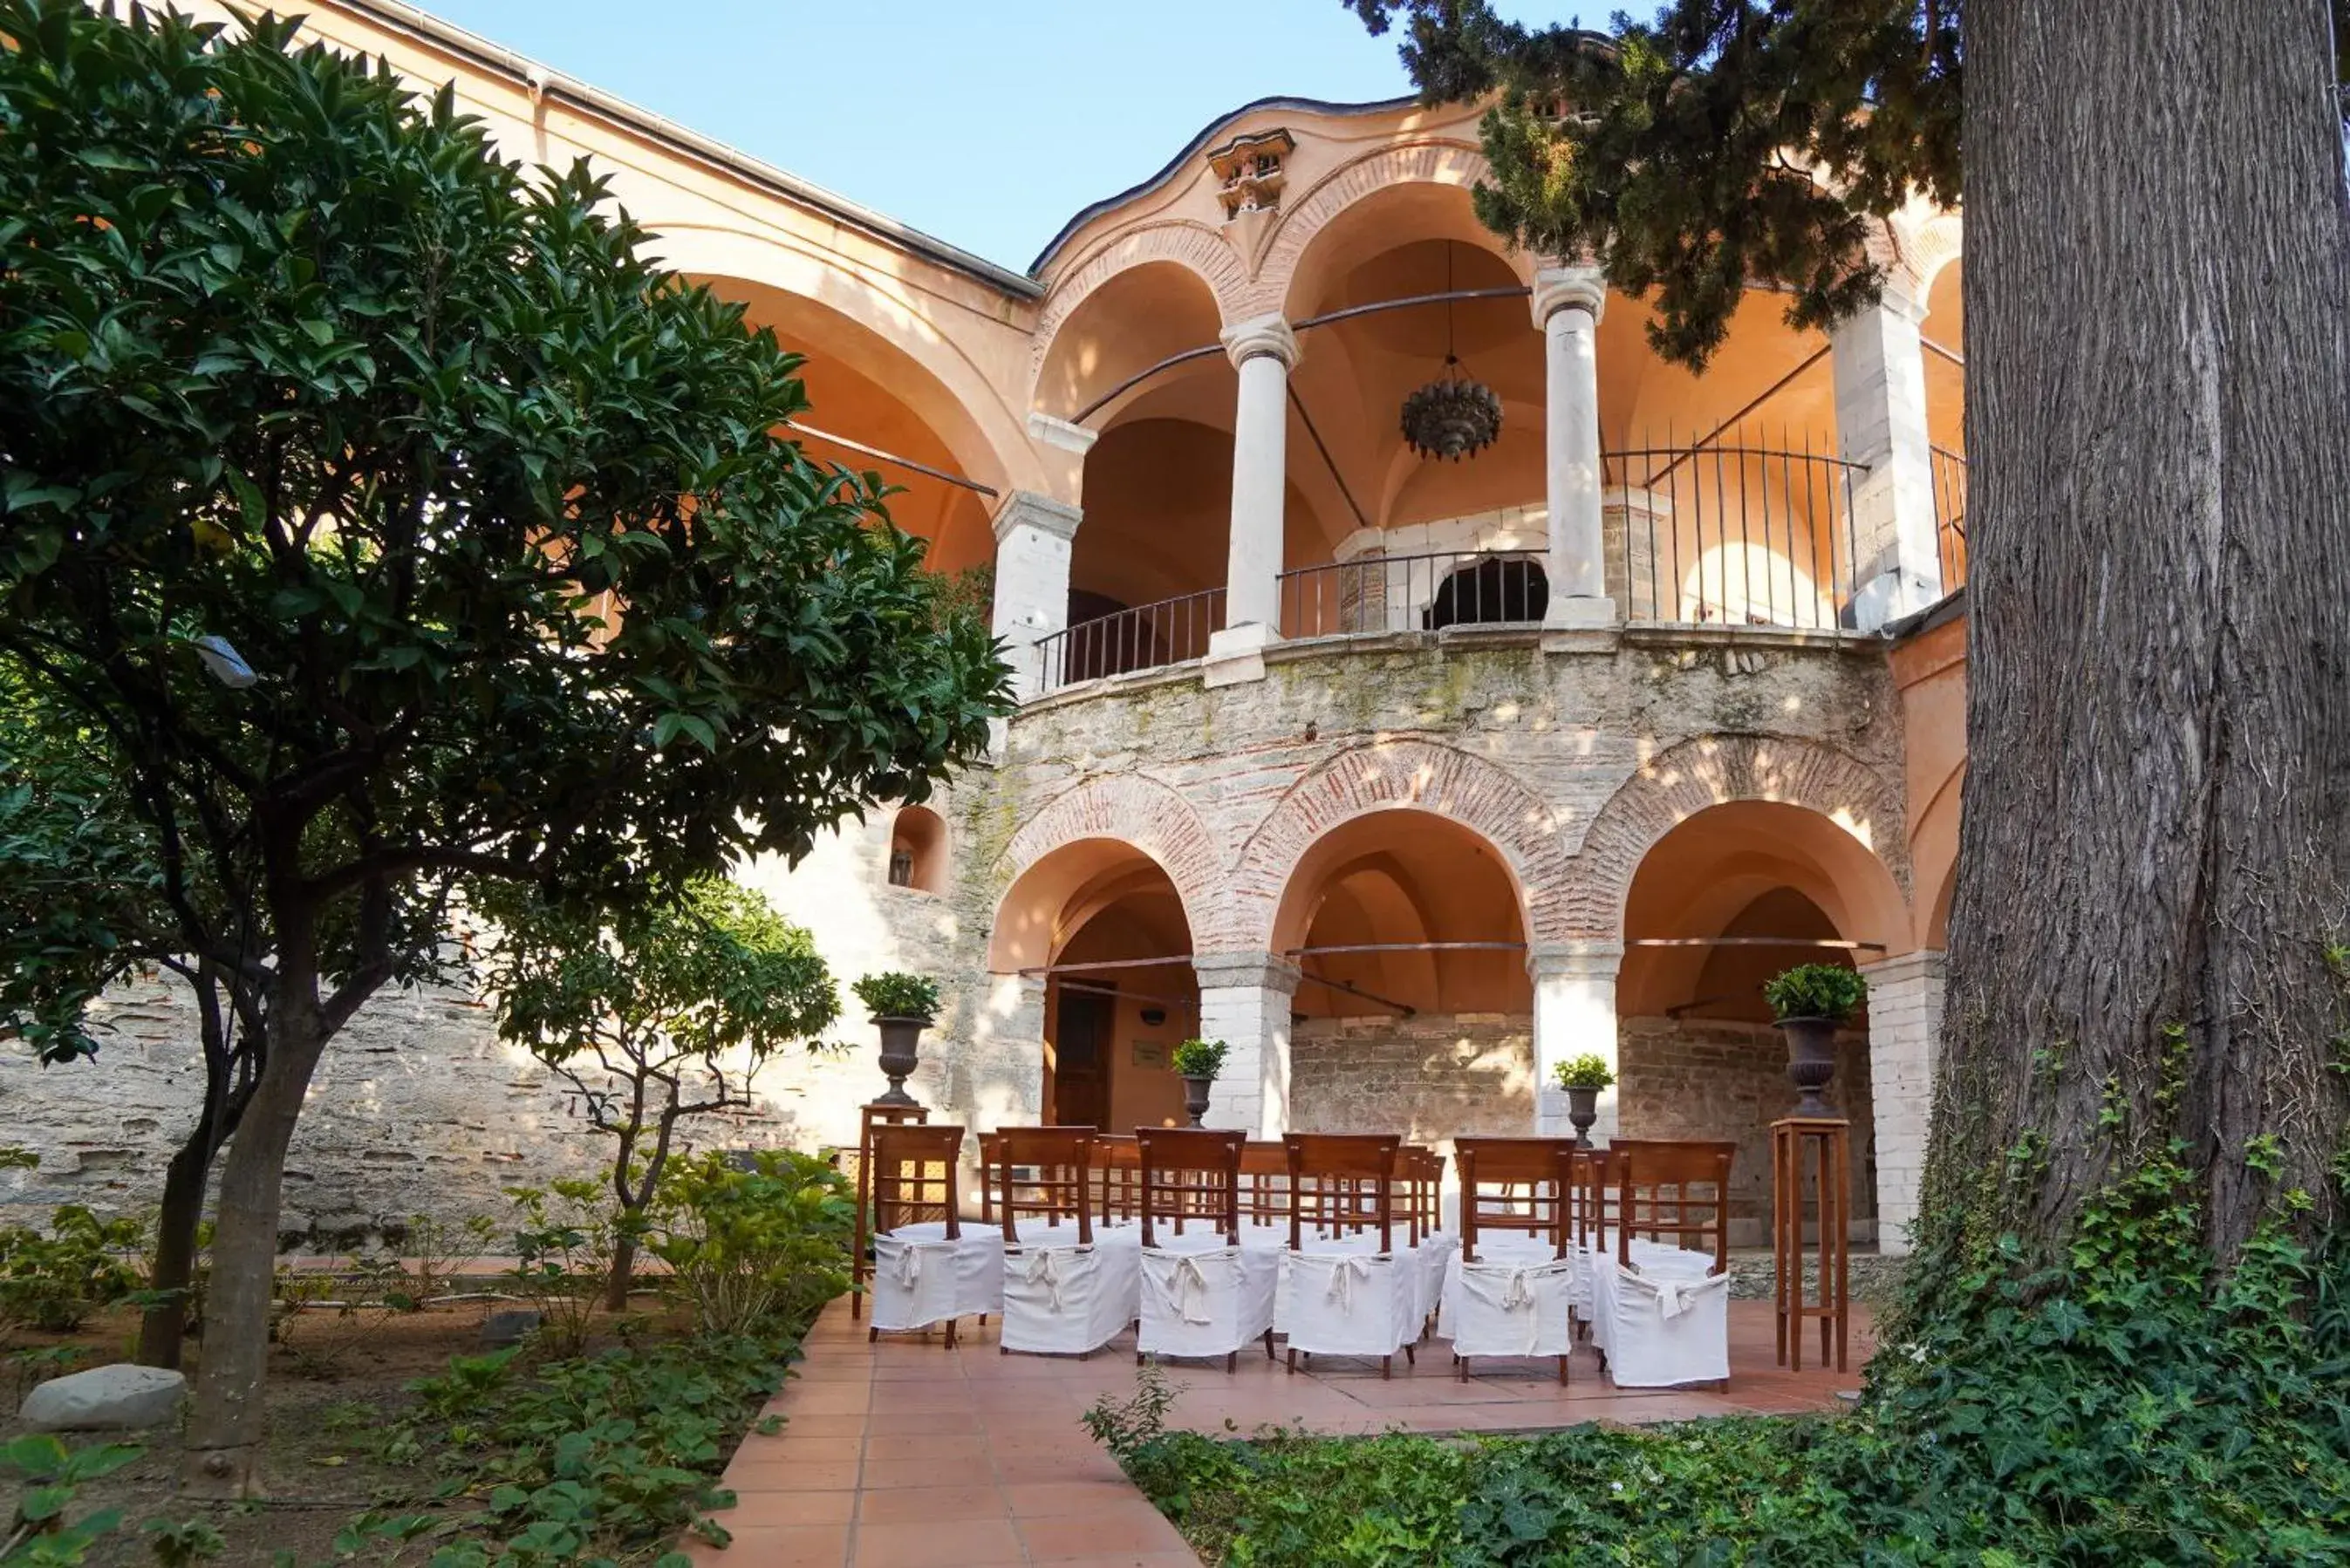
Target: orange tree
(391, 521)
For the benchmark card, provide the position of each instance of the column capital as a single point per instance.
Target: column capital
(1921, 963)
(1262, 971)
(1574, 961)
(1262, 336)
(1025, 508)
(1061, 433)
(1558, 289)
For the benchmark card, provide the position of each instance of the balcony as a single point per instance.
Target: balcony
(1717, 538)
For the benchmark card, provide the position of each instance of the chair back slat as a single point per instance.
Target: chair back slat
(989, 1144)
(1419, 1177)
(1673, 1188)
(1515, 1184)
(1044, 1171)
(1118, 1176)
(1264, 1183)
(1190, 1174)
(1342, 1182)
(915, 1176)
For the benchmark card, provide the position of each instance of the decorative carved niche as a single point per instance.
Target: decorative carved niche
(1251, 168)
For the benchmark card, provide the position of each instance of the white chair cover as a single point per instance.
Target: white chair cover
(1063, 1298)
(921, 1279)
(1505, 1307)
(1437, 1251)
(1203, 1297)
(1662, 1326)
(1352, 1301)
(1516, 1248)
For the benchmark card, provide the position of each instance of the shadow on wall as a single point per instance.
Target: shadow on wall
(1430, 1077)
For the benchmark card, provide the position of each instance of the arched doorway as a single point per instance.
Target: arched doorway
(1101, 923)
(1721, 902)
(1414, 1013)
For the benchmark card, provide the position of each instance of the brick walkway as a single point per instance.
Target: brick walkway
(903, 1454)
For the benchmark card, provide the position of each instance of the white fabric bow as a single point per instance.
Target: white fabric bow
(1343, 1273)
(1044, 1269)
(1191, 1291)
(909, 1265)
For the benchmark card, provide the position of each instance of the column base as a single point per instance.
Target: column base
(1236, 655)
(1580, 623)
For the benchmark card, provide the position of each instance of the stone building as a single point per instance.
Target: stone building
(1408, 777)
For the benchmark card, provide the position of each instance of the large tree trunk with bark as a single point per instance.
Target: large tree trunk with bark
(163, 1328)
(227, 1425)
(2155, 842)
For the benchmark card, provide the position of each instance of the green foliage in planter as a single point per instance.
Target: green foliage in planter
(748, 1248)
(1200, 1058)
(1828, 990)
(892, 994)
(2121, 1408)
(1588, 1071)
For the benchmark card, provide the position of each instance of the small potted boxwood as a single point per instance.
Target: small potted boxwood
(1198, 1062)
(1583, 1077)
(1811, 1002)
(902, 1005)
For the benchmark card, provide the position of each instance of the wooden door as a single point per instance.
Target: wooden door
(1081, 1058)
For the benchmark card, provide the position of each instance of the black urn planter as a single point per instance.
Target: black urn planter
(1810, 1062)
(1195, 1096)
(1582, 1109)
(901, 1041)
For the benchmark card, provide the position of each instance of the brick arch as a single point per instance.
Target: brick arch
(1133, 810)
(1433, 162)
(1384, 777)
(1716, 770)
(1190, 245)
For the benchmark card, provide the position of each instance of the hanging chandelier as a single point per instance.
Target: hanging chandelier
(1454, 416)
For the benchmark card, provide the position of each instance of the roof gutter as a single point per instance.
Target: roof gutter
(542, 82)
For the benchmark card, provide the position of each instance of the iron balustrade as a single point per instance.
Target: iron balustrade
(1414, 593)
(1734, 535)
(1171, 631)
(1950, 516)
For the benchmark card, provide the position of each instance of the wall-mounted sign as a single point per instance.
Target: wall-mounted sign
(1150, 1053)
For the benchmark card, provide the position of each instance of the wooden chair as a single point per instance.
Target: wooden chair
(1518, 1184)
(1654, 1179)
(1673, 1194)
(1117, 1169)
(914, 1167)
(1343, 1184)
(989, 1142)
(1192, 1177)
(1264, 1183)
(1058, 1183)
(859, 1264)
(1421, 1174)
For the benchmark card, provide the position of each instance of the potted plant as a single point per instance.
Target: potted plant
(1583, 1077)
(903, 1006)
(1198, 1062)
(1811, 1002)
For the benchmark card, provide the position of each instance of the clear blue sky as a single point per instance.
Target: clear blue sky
(986, 123)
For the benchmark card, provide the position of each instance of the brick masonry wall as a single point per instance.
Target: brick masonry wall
(1712, 1078)
(1428, 1077)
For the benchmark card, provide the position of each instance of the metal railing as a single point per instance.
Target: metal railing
(1414, 593)
(1737, 535)
(1950, 515)
(1144, 638)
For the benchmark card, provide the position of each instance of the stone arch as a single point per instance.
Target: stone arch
(1716, 770)
(1432, 163)
(1128, 809)
(1187, 243)
(1387, 775)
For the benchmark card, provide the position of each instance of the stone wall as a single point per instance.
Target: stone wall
(1714, 1078)
(1428, 1077)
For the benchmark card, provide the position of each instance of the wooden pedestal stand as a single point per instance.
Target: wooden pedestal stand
(868, 1118)
(1822, 1148)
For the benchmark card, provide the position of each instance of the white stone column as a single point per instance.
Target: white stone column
(1905, 1032)
(1265, 349)
(1567, 303)
(1879, 362)
(1244, 1001)
(1033, 538)
(1575, 1013)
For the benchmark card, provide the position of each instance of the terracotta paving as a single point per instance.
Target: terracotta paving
(903, 1454)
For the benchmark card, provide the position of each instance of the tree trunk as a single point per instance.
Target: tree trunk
(163, 1328)
(227, 1425)
(633, 1205)
(2155, 843)
(624, 1263)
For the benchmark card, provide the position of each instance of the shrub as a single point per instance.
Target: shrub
(1826, 991)
(1200, 1058)
(563, 1249)
(758, 1246)
(1588, 1071)
(51, 1283)
(891, 994)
